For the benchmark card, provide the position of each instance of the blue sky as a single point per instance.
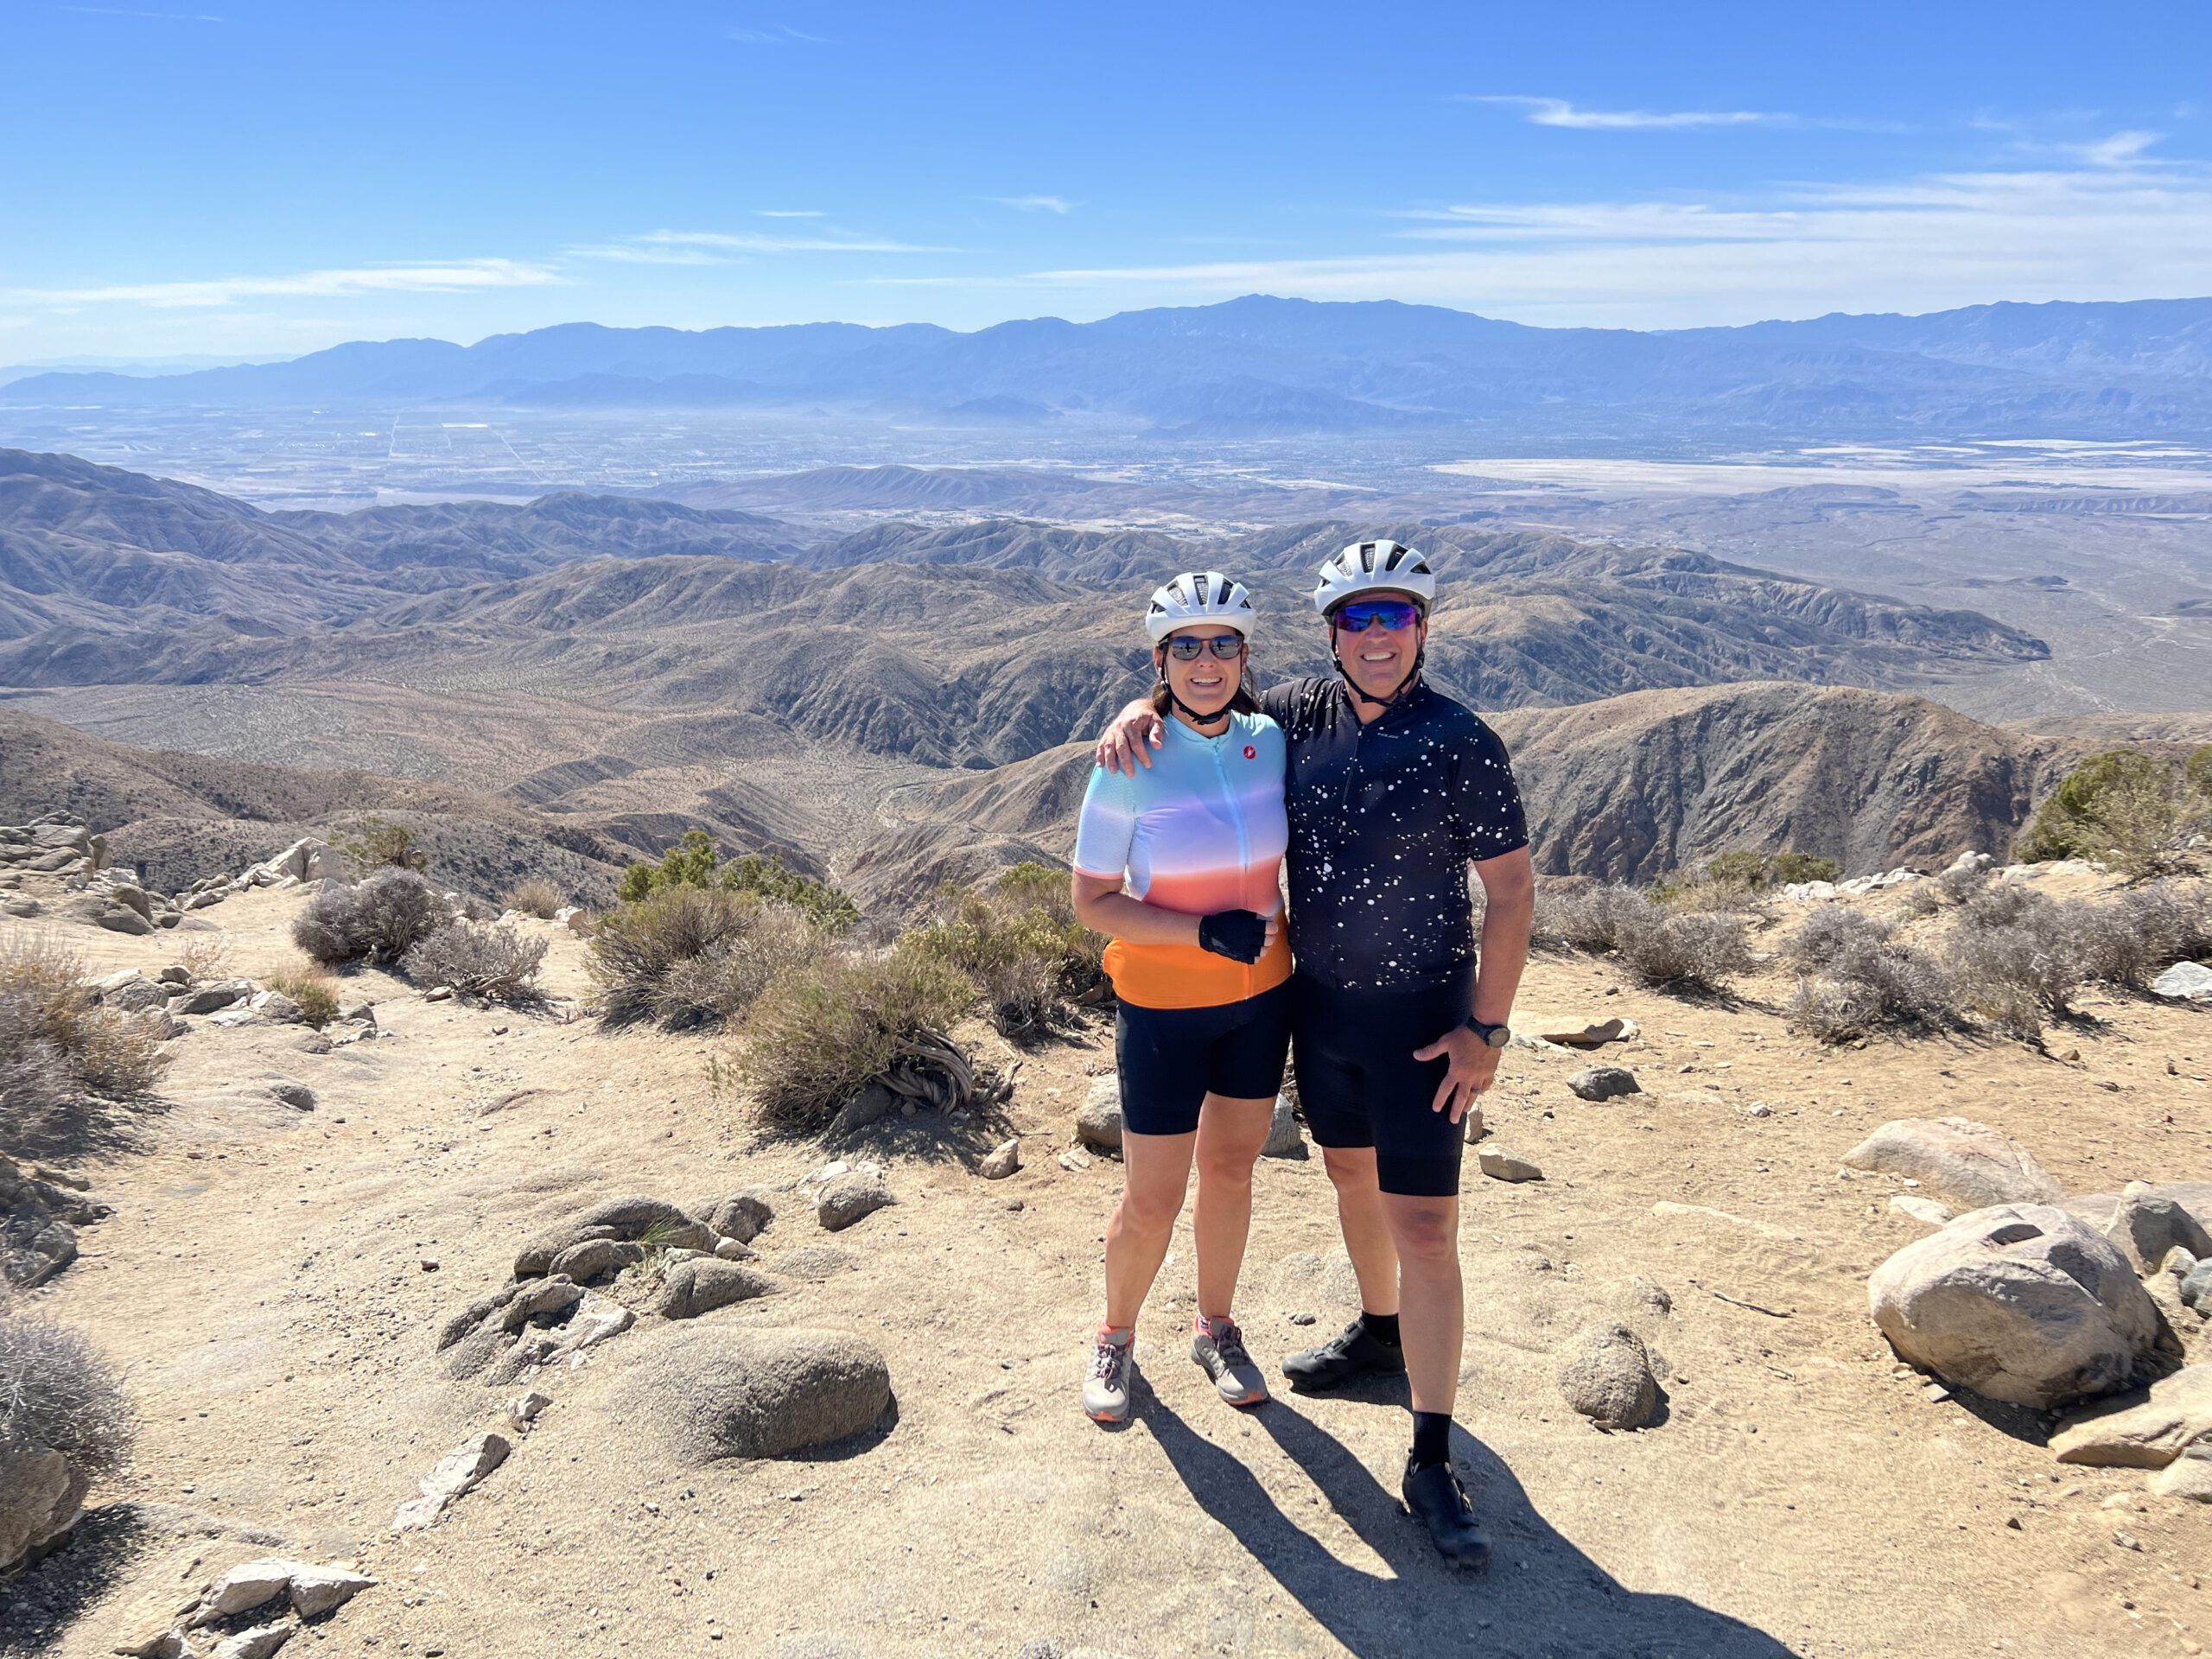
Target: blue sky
(204, 176)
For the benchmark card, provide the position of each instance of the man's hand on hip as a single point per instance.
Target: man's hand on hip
(1474, 1068)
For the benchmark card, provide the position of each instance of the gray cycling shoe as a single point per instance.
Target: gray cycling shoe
(1219, 1347)
(1113, 1370)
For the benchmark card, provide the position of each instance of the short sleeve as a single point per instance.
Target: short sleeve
(1277, 701)
(1106, 826)
(1486, 801)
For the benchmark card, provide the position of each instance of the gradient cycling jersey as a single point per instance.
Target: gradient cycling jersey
(1384, 817)
(1203, 829)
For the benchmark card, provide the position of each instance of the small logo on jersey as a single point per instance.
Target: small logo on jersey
(1251, 753)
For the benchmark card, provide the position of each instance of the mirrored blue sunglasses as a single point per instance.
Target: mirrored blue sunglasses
(1395, 614)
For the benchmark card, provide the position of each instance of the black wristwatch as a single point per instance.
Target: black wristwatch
(1496, 1036)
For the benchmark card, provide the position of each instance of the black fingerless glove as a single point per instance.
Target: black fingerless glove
(1240, 935)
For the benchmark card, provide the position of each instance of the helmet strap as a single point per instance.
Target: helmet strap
(1220, 717)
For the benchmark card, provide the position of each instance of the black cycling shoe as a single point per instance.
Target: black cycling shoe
(1440, 1503)
(1354, 1352)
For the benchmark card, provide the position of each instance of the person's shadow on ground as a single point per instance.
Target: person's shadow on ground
(1539, 1596)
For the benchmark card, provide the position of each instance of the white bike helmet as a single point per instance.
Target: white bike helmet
(1198, 596)
(1373, 567)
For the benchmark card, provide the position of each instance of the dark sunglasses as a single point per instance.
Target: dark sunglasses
(1226, 647)
(1395, 614)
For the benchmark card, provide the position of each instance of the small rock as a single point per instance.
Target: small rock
(2189, 982)
(244, 1587)
(1926, 1211)
(2188, 1477)
(732, 1249)
(213, 995)
(276, 1008)
(850, 1197)
(2196, 1289)
(530, 1407)
(1472, 1128)
(2175, 1420)
(717, 1391)
(452, 1475)
(703, 1284)
(1607, 1377)
(2146, 1225)
(297, 1095)
(1503, 1166)
(1003, 1161)
(743, 1217)
(1285, 1139)
(1603, 1082)
(1968, 1163)
(1075, 1159)
(1098, 1123)
(256, 1644)
(316, 1590)
(438, 994)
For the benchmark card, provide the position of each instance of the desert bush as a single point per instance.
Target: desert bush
(690, 956)
(1786, 869)
(71, 1072)
(2126, 940)
(493, 961)
(2017, 957)
(383, 845)
(1859, 979)
(695, 861)
(1018, 942)
(536, 897)
(1676, 951)
(821, 1035)
(1589, 919)
(56, 1392)
(1733, 879)
(2128, 809)
(312, 989)
(204, 956)
(378, 920)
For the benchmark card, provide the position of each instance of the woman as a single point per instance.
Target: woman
(1178, 865)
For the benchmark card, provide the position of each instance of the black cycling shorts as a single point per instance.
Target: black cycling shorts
(1171, 1059)
(1360, 1085)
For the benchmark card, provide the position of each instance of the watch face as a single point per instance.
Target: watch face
(1498, 1036)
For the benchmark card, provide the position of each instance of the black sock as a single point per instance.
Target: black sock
(1383, 1327)
(1432, 1438)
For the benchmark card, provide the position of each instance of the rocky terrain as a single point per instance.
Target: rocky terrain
(465, 1328)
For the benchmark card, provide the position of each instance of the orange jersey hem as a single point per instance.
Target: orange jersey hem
(1185, 977)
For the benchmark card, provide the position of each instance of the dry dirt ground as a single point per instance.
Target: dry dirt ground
(263, 1289)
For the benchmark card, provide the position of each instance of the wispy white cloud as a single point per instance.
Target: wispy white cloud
(1558, 113)
(707, 247)
(789, 212)
(2123, 230)
(782, 34)
(2118, 150)
(1034, 204)
(448, 276)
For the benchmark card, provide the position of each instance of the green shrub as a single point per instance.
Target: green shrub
(1729, 880)
(311, 988)
(379, 919)
(697, 862)
(383, 845)
(1787, 869)
(535, 897)
(495, 961)
(2132, 810)
(1020, 942)
(819, 1036)
(686, 956)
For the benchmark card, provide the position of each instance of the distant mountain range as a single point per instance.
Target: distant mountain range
(1262, 365)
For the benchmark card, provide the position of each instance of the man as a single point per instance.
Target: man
(1397, 1019)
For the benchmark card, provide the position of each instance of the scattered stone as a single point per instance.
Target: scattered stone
(41, 1499)
(743, 1217)
(1473, 1127)
(256, 1643)
(1607, 1377)
(2188, 1477)
(2174, 1419)
(248, 1585)
(2021, 1303)
(631, 1220)
(1075, 1159)
(277, 1008)
(297, 1095)
(438, 994)
(1603, 1082)
(2186, 982)
(530, 1407)
(1286, 1138)
(2146, 1223)
(1503, 1166)
(131, 992)
(852, 1197)
(595, 1259)
(38, 1220)
(1921, 1210)
(458, 1471)
(1002, 1160)
(1595, 1035)
(704, 1284)
(2196, 1289)
(1098, 1123)
(216, 994)
(1641, 1294)
(1970, 1164)
(714, 1391)
(732, 1249)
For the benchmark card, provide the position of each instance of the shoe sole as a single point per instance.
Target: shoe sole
(1329, 1385)
(1121, 1416)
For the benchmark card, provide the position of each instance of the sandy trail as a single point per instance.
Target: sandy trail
(261, 1287)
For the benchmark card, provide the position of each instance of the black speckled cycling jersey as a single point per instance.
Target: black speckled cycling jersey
(1383, 818)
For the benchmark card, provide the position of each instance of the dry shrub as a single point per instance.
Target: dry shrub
(379, 920)
(1589, 919)
(494, 961)
(56, 1392)
(1860, 980)
(689, 955)
(821, 1035)
(70, 1073)
(536, 897)
(204, 956)
(312, 989)
(1696, 951)
(2017, 957)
